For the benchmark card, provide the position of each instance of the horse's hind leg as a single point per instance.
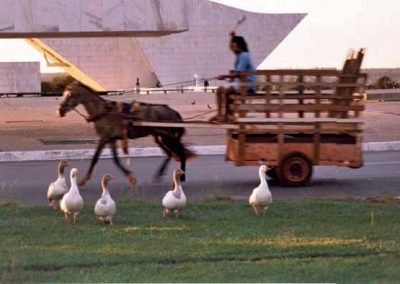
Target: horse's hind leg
(161, 169)
(94, 161)
(128, 173)
(177, 148)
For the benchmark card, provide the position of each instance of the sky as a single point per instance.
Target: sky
(321, 40)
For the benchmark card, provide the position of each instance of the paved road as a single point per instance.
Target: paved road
(208, 177)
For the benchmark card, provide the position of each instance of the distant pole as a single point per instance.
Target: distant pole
(137, 86)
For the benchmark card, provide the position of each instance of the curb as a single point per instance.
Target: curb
(87, 154)
(21, 156)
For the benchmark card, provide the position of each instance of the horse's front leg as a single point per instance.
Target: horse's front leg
(128, 173)
(95, 158)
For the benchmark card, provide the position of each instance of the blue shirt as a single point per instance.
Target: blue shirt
(243, 63)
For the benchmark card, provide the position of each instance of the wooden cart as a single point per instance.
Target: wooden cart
(296, 119)
(300, 119)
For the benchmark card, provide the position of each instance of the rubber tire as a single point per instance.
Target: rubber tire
(294, 170)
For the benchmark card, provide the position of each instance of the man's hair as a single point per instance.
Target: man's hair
(241, 43)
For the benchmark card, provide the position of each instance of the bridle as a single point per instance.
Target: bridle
(64, 104)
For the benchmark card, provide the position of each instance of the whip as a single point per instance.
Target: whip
(238, 23)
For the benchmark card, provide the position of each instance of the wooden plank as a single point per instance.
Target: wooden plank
(275, 129)
(351, 67)
(296, 120)
(317, 143)
(290, 95)
(312, 85)
(295, 72)
(301, 92)
(241, 146)
(281, 141)
(286, 108)
(318, 93)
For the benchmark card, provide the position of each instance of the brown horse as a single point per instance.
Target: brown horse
(113, 121)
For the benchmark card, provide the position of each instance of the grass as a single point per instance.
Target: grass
(213, 241)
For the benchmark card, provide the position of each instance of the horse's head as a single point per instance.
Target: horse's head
(70, 99)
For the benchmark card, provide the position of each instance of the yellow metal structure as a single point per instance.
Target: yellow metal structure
(54, 59)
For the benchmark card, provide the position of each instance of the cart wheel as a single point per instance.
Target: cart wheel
(295, 169)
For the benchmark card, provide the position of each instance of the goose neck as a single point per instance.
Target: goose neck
(61, 170)
(177, 182)
(263, 179)
(104, 184)
(74, 185)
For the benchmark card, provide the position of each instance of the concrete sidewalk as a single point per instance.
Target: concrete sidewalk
(30, 129)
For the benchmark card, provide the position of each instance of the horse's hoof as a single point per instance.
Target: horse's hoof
(83, 181)
(132, 180)
(157, 179)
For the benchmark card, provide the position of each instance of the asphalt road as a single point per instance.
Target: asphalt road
(208, 177)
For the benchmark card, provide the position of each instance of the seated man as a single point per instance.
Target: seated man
(243, 63)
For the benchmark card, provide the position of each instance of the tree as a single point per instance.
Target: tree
(385, 82)
(57, 84)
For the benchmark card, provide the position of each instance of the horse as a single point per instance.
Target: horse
(111, 124)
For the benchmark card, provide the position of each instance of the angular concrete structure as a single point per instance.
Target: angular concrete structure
(115, 63)
(108, 44)
(204, 48)
(90, 18)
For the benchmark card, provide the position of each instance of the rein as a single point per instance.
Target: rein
(78, 112)
(130, 116)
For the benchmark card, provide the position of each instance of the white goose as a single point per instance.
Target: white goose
(58, 188)
(174, 200)
(261, 196)
(72, 201)
(105, 207)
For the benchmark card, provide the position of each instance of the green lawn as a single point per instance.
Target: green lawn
(213, 241)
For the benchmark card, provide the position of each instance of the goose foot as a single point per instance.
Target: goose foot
(66, 218)
(265, 212)
(177, 213)
(255, 210)
(165, 213)
(76, 218)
